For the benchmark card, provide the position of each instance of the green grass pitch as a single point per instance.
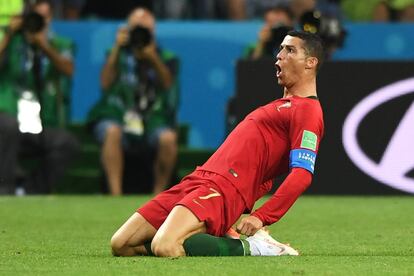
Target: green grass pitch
(63, 235)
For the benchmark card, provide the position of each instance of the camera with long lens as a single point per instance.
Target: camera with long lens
(278, 33)
(33, 22)
(139, 37)
(328, 28)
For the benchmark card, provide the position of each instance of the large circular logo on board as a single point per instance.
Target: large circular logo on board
(398, 157)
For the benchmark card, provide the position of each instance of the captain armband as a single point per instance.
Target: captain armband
(302, 158)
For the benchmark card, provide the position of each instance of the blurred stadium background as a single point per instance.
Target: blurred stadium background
(366, 89)
(213, 92)
(209, 54)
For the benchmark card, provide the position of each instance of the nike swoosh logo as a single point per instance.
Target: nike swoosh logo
(285, 105)
(282, 251)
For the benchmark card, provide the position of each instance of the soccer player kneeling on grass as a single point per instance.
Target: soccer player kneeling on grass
(193, 217)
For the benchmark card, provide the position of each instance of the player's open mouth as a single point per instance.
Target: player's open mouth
(278, 70)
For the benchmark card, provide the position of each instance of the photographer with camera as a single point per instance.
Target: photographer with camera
(278, 21)
(304, 15)
(139, 102)
(35, 76)
(328, 27)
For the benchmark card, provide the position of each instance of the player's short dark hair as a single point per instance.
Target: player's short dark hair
(313, 45)
(281, 8)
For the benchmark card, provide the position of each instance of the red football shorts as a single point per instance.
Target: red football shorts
(211, 198)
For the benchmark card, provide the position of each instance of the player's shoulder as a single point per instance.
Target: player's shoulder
(308, 103)
(307, 109)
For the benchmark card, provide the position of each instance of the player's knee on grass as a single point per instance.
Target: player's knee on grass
(163, 246)
(118, 245)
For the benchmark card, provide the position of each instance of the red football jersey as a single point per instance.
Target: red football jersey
(280, 135)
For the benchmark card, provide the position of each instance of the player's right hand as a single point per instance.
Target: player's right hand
(16, 23)
(249, 225)
(122, 37)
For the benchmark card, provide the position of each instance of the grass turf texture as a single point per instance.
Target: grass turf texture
(336, 236)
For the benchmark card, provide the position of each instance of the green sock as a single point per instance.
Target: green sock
(208, 245)
(148, 248)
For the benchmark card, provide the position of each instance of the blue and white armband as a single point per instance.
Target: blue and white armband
(302, 158)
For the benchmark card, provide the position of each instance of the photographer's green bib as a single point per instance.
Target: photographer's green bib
(122, 103)
(16, 76)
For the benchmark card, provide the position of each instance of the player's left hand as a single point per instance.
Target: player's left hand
(249, 225)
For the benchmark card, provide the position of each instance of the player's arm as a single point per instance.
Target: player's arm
(275, 208)
(265, 188)
(305, 135)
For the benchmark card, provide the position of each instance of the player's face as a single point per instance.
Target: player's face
(291, 61)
